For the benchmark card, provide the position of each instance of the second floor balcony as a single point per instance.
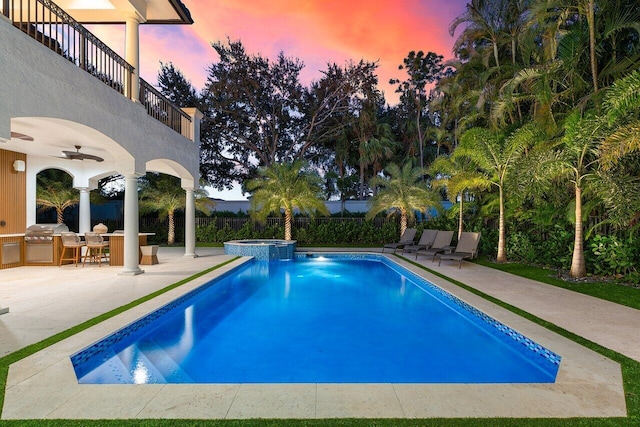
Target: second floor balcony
(50, 25)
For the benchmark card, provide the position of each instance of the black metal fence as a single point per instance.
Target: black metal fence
(236, 224)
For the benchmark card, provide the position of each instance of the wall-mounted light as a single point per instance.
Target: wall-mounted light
(19, 166)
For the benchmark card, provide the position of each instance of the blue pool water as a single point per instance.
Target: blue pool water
(353, 319)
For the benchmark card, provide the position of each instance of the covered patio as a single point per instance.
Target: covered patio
(70, 103)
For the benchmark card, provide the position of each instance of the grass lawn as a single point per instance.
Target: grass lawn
(609, 291)
(630, 368)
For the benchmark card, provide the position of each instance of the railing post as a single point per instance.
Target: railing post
(82, 41)
(5, 8)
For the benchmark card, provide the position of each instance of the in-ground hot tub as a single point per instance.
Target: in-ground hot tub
(262, 249)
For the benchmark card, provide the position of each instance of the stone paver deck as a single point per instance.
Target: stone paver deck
(46, 300)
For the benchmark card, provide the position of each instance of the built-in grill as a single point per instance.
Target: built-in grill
(39, 242)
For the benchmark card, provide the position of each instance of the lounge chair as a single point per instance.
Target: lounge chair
(406, 239)
(425, 242)
(441, 243)
(467, 248)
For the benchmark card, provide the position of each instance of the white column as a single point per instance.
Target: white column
(190, 224)
(84, 211)
(131, 266)
(132, 52)
(31, 195)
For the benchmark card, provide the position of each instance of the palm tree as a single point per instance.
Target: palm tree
(56, 192)
(574, 159)
(165, 196)
(286, 186)
(372, 152)
(495, 155)
(458, 175)
(485, 24)
(402, 191)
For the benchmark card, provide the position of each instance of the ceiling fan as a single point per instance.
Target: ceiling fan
(77, 155)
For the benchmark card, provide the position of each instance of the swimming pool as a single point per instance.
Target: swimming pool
(319, 319)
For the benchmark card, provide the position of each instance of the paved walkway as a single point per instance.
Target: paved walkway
(43, 301)
(611, 325)
(47, 300)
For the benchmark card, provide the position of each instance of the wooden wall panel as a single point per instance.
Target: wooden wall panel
(13, 193)
(15, 239)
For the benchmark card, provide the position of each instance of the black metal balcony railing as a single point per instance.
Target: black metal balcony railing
(163, 110)
(51, 26)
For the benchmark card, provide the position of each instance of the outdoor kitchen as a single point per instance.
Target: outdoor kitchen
(39, 245)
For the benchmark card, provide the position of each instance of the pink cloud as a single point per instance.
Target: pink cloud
(317, 32)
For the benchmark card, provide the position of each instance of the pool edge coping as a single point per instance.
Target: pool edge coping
(34, 375)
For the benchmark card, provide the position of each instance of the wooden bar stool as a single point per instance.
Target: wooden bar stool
(96, 248)
(72, 242)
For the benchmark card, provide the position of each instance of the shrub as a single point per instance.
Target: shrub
(521, 248)
(206, 233)
(557, 249)
(608, 256)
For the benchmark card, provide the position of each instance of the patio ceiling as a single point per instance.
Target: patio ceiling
(114, 11)
(45, 137)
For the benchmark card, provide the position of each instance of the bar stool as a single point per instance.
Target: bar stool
(70, 241)
(95, 248)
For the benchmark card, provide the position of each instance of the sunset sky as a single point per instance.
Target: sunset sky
(315, 31)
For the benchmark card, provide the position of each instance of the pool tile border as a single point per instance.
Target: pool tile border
(504, 330)
(531, 347)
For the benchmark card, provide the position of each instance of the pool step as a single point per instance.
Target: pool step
(112, 368)
(163, 364)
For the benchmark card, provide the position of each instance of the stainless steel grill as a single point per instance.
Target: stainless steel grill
(39, 242)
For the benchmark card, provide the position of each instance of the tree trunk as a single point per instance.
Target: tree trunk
(420, 137)
(495, 54)
(288, 219)
(460, 222)
(502, 246)
(592, 44)
(403, 221)
(59, 216)
(578, 266)
(362, 169)
(171, 235)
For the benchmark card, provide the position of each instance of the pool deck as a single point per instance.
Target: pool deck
(47, 300)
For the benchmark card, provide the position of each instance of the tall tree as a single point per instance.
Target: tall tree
(496, 154)
(175, 86)
(286, 187)
(422, 70)
(403, 191)
(258, 113)
(485, 24)
(573, 159)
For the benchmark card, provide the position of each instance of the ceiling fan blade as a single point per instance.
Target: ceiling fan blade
(21, 136)
(77, 155)
(90, 157)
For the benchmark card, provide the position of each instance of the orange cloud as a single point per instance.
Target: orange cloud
(317, 32)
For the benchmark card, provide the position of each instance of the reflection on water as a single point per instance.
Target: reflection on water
(319, 319)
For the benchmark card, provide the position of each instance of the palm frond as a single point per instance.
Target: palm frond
(623, 97)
